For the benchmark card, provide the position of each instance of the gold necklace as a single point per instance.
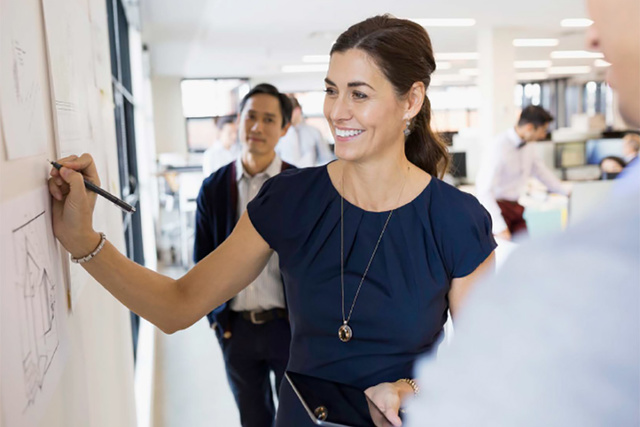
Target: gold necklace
(345, 333)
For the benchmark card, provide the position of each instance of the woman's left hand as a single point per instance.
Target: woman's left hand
(388, 397)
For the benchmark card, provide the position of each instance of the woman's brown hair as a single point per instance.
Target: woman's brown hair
(402, 49)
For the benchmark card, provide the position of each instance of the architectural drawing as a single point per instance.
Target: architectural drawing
(36, 302)
(23, 68)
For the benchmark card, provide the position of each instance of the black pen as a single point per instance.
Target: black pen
(110, 197)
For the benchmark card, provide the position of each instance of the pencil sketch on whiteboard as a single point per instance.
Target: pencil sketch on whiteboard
(33, 334)
(36, 304)
(22, 93)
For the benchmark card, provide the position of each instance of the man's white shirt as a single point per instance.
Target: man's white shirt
(506, 168)
(266, 292)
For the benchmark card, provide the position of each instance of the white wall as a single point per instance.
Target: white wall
(169, 123)
(96, 386)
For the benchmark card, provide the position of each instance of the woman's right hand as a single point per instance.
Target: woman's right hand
(73, 205)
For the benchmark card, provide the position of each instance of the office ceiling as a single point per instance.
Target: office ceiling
(252, 38)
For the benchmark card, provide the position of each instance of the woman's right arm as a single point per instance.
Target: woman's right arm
(169, 304)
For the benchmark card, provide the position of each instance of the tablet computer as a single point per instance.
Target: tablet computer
(333, 404)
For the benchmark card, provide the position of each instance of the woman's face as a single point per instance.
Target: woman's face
(364, 113)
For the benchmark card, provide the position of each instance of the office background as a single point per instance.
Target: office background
(164, 71)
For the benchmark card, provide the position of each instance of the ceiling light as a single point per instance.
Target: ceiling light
(581, 69)
(580, 22)
(535, 75)
(443, 65)
(450, 78)
(533, 64)
(535, 42)
(306, 68)
(601, 63)
(322, 59)
(445, 22)
(456, 56)
(575, 54)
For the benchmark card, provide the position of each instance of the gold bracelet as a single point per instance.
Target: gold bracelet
(412, 384)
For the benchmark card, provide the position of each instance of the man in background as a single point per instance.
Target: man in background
(226, 149)
(303, 145)
(508, 164)
(253, 327)
(553, 339)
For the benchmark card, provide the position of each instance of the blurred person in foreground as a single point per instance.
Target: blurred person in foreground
(508, 164)
(631, 147)
(303, 145)
(560, 345)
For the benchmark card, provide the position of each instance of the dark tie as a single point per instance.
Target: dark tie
(522, 144)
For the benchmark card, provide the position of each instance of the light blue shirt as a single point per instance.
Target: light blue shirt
(554, 339)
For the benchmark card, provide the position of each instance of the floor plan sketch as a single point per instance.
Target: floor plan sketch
(33, 334)
(37, 304)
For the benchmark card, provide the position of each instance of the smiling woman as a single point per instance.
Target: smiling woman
(375, 52)
(374, 249)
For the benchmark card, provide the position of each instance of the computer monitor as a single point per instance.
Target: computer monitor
(569, 154)
(459, 164)
(598, 149)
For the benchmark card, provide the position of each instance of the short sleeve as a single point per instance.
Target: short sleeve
(266, 210)
(466, 238)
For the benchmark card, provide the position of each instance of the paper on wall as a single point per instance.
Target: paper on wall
(33, 334)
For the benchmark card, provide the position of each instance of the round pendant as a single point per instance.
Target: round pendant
(345, 333)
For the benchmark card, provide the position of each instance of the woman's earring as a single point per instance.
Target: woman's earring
(406, 130)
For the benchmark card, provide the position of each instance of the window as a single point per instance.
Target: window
(124, 107)
(203, 102)
(454, 107)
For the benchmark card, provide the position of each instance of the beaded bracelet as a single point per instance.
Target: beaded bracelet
(412, 384)
(82, 260)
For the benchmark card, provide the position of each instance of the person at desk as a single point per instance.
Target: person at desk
(303, 144)
(252, 328)
(508, 163)
(631, 147)
(374, 249)
(225, 149)
(610, 167)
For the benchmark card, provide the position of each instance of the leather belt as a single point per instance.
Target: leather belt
(261, 317)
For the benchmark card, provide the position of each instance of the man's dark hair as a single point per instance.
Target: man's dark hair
(285, 103)
(535, 115)
(224, 120)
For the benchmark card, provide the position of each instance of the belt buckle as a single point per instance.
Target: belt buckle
(252, 316)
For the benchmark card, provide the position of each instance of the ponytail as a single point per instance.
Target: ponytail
(423, 147)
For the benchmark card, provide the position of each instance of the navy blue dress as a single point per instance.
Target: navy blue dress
(402, 307)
